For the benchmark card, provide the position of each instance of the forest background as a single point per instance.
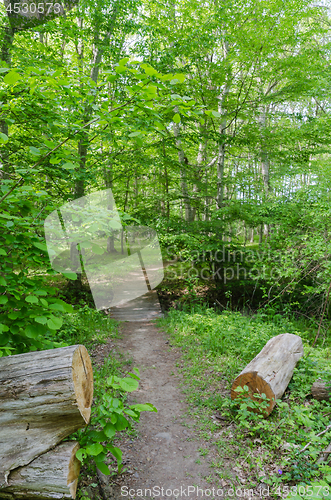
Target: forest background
(210, 122)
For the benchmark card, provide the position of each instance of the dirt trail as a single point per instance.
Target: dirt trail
(165, 454)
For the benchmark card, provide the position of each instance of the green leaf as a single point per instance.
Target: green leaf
(129, 384)
(135, 134)
(41, 246)
(32, 299)
(70, 276)
(3, 282)
(2, 252)
(116, 452)
(41, 319)
(121, 423)
(131, 413)
(12, 77)
(111, 78)
(4, 70)
(176, 118)
(94, 449)
(3, 138)
(30, 332)
(180, 77)
(216, 114)
(3, 299)
(35, 151)
(57, 307)
(148, 69)
(114, 224)
(54, 323)
(109, 430)
(14, 329)
(144, 407)
(68, 166)
(103, 468)
(97, 250)
(80, 454)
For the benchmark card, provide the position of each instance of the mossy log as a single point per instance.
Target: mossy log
(53, 475)
(271, 370)
(44, 397)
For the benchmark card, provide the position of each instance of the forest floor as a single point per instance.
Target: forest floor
(166, 457)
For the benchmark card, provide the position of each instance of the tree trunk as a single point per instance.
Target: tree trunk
(321, 390)
(44, 397)
(224, 91)
(84, 142)
(271, 370)
(52, 475)
(108, 178)
(183, 171)
(265, 162)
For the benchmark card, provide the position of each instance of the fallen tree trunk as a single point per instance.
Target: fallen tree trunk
(321, 391)
(44, 397)
(271, 370)
(53, 475)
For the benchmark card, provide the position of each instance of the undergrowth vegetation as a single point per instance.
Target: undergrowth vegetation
(279, 450)
(111, 415)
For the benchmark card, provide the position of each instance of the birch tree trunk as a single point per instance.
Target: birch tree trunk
(224, 91)
(183, 171)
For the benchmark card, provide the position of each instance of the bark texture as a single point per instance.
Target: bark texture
(321, 390)
(271, 370)
(44, 397)
(53, 475)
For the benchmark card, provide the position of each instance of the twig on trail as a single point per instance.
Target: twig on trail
(317, 435)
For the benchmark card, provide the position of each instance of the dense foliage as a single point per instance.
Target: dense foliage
(210, 123)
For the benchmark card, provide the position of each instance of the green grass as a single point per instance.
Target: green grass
(86, 326)
(216, 347)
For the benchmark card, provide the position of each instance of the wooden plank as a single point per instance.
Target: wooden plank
(144, 308)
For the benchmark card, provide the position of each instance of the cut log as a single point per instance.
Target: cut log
(44, 397)
(321, 390)
(53, 475)
(271, 370)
